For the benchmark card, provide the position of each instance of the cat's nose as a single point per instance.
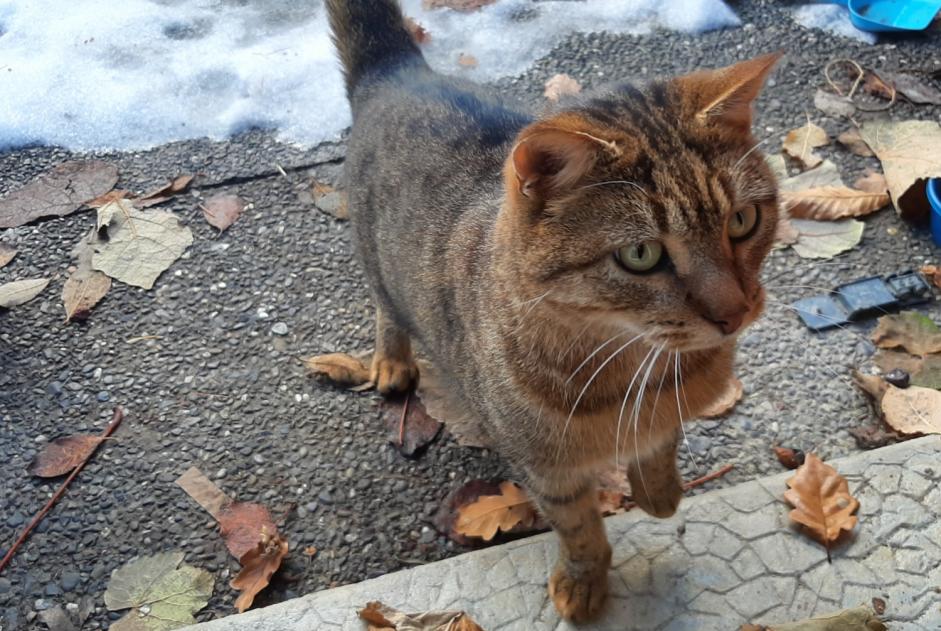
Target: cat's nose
(729, 321)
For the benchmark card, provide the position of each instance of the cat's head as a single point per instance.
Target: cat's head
(648, 208)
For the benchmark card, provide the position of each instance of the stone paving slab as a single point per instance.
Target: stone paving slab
(727, 557)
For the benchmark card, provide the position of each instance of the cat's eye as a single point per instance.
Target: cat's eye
(640, 257)
(743, 222)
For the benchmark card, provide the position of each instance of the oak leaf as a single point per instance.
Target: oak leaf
(789, 458)
(244, 525)
(490, 514)
(221, 211)
(832, 202)
(63, 454)
(258, 566)
(730, 395)
(801, 142)
(381, 617)
(914, 332)
(822, 501)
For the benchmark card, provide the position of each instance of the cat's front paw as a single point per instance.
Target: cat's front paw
(394, 375)
(581, 598)
(661, 501)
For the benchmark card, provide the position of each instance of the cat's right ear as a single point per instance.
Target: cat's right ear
(548, 162)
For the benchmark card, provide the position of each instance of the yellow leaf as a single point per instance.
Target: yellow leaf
(822, 501)
(492, 513)
(730, 395)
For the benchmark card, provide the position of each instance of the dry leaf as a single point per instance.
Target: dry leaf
(614, 491)
(110, 196)
(561, 85)
(457, 5)
(243, 525)
(826, 239)
(493, 513)
(339, 368)
(140, 245)
(408, 425)
(789, 458)
(853, 141)
(873, 182)
(913, 410)
(778, 166)
(856, 619)
(58, 192)
(6, 254)
(21, 291)
(801, 142)
(384, 617)
(822, 501)
(441, 403)
(159, 195)
(258, 566)
(204, 492)
(932, 273)
(222, 210)
(872, 385)
(85, 287)
(419, 33)
(833, 104)
(831, 202)
(63, 454)
(877, 87)
(908, 86)
(875, 436)
(909, 154)
(916, 333)
(467, 61)
(785, 234)
(827, 174)
(731, 394)
(56, 619)
(329, 200)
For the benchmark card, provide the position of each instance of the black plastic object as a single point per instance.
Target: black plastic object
(863, 298)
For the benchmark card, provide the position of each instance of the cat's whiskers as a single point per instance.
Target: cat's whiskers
(836, 323)
(749, 152)
(605, 183)
(592, 378)
(638, 405)
(627, 394)
(677, 382)
(593, 353)
(533, 303)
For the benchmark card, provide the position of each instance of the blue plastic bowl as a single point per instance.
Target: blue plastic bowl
(933, 189)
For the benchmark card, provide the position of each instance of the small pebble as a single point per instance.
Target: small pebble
(280, 328)
(103, 396)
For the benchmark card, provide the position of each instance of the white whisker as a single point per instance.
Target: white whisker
(676, 378)
(617, 436)
(593, 353)
(638, 403)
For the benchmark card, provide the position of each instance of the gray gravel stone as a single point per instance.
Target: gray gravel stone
(280, 328)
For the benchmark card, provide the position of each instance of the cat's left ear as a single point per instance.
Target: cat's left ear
(725, 95)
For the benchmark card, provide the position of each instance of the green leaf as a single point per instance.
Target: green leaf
(161, 591)
(826, 239)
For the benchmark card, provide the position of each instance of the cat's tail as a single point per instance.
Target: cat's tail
(372, 39)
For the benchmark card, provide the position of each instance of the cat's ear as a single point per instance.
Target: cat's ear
(725, 95)
(549, 161)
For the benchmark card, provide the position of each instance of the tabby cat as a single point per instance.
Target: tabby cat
(579, 279)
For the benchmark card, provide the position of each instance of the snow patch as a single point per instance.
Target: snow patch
(831, 18)
(99, 74)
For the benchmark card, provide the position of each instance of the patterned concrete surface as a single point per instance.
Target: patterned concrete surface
(726, 558)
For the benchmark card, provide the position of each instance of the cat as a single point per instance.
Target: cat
(579, 279)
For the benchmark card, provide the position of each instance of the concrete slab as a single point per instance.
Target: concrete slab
(728, 557)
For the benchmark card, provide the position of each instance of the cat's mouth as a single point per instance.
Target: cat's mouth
(705, 334)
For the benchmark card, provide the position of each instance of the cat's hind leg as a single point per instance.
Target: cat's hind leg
(393, 365)
(579, 584)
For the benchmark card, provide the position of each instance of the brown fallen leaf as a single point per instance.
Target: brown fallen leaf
(914, 332)
(875, 436)
(110, 196)
(873, 182)
(63, 454)
(339, 368)
(789, 458)
(853, 141)
(243, 525)
(785, 234)
(382, 617)
(6, 254)
(834, 105)
(221, 211)
(204, 492)
(561, 85)
(163, 193)
(495, 513)
(330, 201)
(57, 192)
(467, 61)
(857, 619)
(258, 566)
(822, 501)
(441, 403)
(731, 394)
(85, 286)
(909, 154)
(877, 87)
(408, 425)
(832, 202)
(448, 509)
(873, 385)
(419, 33)
(931, 272)
(457, 5)
(906, 85)
(801, 142)
(913, 410)
(19, 292)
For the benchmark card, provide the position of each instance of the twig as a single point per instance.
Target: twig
(709, 477)
(408, 398)
(113, 425)
(860, 74)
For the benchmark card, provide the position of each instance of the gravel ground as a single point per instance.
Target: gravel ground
(217, 384)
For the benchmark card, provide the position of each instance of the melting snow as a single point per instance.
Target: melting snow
(100, 74)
